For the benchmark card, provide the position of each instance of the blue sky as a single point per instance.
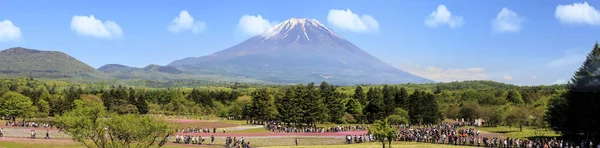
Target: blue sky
(512, 41)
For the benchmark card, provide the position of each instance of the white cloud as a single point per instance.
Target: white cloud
(577, 13)
(447, 75)
(507, 77)
(559, 81)
(254, 25)
(9, 32)
(442, 16)
(346, 20)
(507, 21)
(570, 58)
(90, 26)
(477, 69)
(185, 22)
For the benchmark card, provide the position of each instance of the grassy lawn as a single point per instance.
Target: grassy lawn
(374, 145)
(22, 144)
(514, 132)
(239, 122)
(252, 130)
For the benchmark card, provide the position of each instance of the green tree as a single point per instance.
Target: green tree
(86, 124)
(580, 106)
(389, 99)
(401, 99)
(333, 102)
(16, 105)
(262, 105)
(374, 109)
(415, 108)
(398, 117)
(382, 130)
(141, 104)
(514, 97)
(287, 106)
(556, 117)
(359, 94)
(312, 106)
(469, 111)
(517, 116)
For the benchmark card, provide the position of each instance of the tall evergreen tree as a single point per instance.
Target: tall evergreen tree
(333, 102)
(374, 109)
(314, 108)
(401, 99)
(359, 95)
(132, 97)
(286, 105)
(389, 100)
(414, 108)
(262, 105)
(581, 103)
(430, 110)
(141, 103)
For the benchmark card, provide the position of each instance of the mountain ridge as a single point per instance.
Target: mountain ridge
(25, 62)
(298, 50)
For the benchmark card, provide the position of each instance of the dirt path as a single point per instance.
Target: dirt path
(274, 135)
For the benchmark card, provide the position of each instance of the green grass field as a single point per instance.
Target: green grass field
(21, 144)
(515, 132)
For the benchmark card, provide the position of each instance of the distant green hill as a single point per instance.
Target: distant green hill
(23, 62)
(163, 73)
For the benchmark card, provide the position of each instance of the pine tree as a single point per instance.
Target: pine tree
(359, 95)
(107, 100)
(430, 110)
(333, 101)
(389, 99)
(132, 97)
(401, 99)
(141, 104)
(374, 109)
(580, 105)
(314, 108)
(286, 105)
(262, 105)
(414, 108)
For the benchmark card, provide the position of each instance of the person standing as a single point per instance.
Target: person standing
(47, 134)
(212, 140)
(296, 141)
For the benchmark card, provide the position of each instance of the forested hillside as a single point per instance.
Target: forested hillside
(497, 103)
(22, 62)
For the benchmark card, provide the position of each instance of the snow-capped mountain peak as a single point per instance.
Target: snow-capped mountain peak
(283, 29)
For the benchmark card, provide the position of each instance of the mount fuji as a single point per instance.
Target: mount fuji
(298, 50)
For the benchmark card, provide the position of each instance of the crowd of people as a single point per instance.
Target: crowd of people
(359, 139)
(199, 140)
(28, 124)
(197, 130)
(237, 143)
(277, 127)
(34, 133)
(447, 133)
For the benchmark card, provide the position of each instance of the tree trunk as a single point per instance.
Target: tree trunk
(521, 127)
(383, 142)
(390, 143)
